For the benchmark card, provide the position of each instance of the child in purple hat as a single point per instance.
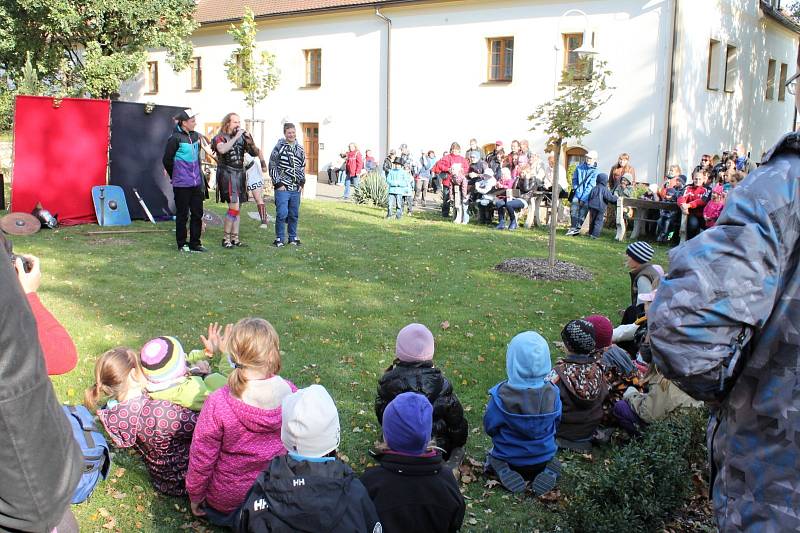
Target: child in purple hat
(413, 371)
(412, 488)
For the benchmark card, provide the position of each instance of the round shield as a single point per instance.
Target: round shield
(211, 218)
(20, 224)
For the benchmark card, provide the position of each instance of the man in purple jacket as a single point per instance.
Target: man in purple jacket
(182, 162)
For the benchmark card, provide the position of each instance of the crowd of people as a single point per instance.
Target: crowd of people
(504, 183)
(222, 426)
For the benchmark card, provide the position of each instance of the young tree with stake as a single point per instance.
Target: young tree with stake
(580, 95)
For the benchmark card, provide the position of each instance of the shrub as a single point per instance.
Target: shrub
(637, 487)
(372, 190)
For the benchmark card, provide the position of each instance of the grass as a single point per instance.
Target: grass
(337, 303)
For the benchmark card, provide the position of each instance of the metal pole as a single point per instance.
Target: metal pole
(388, 76)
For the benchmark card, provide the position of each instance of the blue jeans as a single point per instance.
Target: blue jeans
(347, 181)
(511, 207)
(395, 206)
(578, 211)
(287, 209)
(340, 177)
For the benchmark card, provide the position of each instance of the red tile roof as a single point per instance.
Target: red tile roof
(210, 11)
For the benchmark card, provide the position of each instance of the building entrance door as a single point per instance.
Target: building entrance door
(311, 146)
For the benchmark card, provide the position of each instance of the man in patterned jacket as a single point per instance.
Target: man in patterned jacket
(287, 168)
(724, 327)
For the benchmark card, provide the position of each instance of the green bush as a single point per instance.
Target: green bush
(637, 486)
(372, 190)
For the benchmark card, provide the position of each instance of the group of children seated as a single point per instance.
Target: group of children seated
(253, 452)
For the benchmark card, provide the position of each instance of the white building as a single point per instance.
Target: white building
(691, 76)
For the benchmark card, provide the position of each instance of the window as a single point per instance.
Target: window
(501, 58)
(712, 80)
(731, 68)
(152, 77)
(578, 68)
(770, 92)
(196, 82)
(313, 67)
(782, 82)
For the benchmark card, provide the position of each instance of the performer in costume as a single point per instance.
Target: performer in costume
(255, 185)
(230, 146)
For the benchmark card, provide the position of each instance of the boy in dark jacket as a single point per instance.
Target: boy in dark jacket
(522, 416)
(309, 489)
(413, 371)
(668, 220)
(413, 490)
(582, 387)
(599, 199)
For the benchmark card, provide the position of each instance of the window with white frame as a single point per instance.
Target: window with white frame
(714, 59)
(731, 68)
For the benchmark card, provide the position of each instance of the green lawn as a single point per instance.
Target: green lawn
(337, 303)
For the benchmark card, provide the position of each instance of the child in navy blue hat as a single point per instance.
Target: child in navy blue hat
(522, 417)
(413, 489)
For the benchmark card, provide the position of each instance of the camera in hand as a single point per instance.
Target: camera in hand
(27, 264)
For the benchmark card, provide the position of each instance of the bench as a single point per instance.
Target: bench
(640, 209)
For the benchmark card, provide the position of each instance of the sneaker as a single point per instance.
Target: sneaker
(198, 248)
(510, 479)
(501, 225)
(570, 232)
(295, 242)
(184, 248)
(277, 243)
(512, 226)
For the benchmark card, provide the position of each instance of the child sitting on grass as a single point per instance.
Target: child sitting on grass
(522, 416)
(412, 488)
(159, 430)
(164, 364)
(308, 489)
(238, 431)
(413, 371)
(581, 385)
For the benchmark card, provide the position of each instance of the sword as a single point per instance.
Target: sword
(102, 206)
(144, 206)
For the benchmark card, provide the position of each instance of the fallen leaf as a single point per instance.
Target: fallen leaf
(119, 471)
(445, 324)
(551, 497)
(472, 521)
(492, 483)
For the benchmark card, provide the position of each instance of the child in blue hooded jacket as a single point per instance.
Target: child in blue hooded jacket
(398, 180)
(522, 416)
(599, 199)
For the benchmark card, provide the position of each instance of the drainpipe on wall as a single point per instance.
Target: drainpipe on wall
(667, 140)
(388, 22)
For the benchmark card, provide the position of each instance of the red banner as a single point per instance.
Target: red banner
(60, 153)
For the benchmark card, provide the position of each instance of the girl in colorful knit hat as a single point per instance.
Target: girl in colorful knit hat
(239, 429)
(413, 371)
(159, 430)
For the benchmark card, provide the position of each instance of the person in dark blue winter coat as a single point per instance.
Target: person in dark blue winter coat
(599, 199)
(522, 416)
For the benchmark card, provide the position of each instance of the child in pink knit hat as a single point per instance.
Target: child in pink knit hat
(413, 371)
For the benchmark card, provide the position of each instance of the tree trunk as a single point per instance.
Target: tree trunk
(554, 209)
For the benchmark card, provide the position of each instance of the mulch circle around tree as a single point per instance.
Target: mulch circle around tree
(539, 269)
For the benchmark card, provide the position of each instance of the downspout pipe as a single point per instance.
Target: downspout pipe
(388, 22)
(667, 141)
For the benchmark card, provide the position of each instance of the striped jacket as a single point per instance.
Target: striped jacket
(287, 166)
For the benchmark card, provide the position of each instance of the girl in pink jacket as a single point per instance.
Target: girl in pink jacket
(239, 429)
(713, 209)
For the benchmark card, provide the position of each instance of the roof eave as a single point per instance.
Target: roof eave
(779, 17)
(315, 11)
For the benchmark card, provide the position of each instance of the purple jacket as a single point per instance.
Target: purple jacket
(182, 159)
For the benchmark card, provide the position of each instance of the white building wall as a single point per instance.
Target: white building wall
(439, 91)
(709, 121)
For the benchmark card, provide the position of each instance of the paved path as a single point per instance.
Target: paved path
(335, 192)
